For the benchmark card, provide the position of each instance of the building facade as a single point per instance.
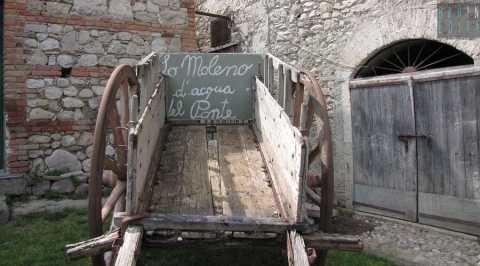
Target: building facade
(57, 57)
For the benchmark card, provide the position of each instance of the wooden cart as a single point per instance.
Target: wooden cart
(197, 150)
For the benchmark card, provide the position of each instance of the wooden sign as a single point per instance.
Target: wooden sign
(210, 87)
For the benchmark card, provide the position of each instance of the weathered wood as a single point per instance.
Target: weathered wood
(297, 253)
(294, 71)
(182, 183)
(149, 129)
(130, 249)
(245, 185)
(297, 103)
(384, 166)
(447, 113)
(423, 76)
(112, 199)
(322, 241)
(281, 86)
(215, 177)
(205, 223)
(131, 176)
(283, 149)
(287, 93)
(91, 247)
(271, 75)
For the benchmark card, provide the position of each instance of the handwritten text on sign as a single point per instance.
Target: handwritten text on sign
(209, 86)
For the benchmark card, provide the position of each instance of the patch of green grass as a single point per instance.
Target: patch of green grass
(55, 172)
(53, 195)
(39, 241)
(345, 258)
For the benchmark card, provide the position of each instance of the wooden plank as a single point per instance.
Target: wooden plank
(244, 182)
(149, 130)
(450, 212)
(214, 177)
(281, 86)
(91, 247)
(384, 201)
(423, 76)
(471, 130)
(203, 223)
(271, 75)
(288, 88)
(448, 166)
(132, 241)
(183, 184)
(383, 163)
(297, 253)
(324, 241)
(283, 149)
(131, 177)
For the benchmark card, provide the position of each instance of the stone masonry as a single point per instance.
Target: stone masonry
(58, 56)
(331, 39)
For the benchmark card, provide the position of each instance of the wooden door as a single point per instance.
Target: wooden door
(448, 112)
(384, 166)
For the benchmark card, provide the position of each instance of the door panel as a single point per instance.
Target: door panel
(448, 160)
(384, 167)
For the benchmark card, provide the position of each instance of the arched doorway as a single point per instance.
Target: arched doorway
(411, 56)
(416, 135)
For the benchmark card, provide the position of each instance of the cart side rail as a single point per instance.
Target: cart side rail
(145, 132)
(302, 100)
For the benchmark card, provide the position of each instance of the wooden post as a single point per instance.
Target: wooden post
(271, 74)
(287, 93)
(265, 70)
(132, 240)
(297, 253)
(304, 114)
(298, 100)
(131, 184)
(281, 89)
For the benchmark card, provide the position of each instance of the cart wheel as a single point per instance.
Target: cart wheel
(321, 152)
(109, 168)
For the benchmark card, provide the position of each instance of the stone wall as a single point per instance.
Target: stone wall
(332, 39)
(58, 56)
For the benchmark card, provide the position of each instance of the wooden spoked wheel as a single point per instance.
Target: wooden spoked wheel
(111, 130)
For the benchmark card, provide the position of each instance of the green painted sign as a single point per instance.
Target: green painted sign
(210, 87)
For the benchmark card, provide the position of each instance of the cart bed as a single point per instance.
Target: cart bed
(213, 170)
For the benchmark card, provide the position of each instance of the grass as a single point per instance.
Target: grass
(39, 241)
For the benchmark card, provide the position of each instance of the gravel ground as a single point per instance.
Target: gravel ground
(407, 243)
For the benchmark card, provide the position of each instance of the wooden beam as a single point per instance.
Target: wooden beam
(131, 184)
(209, 223)
(287, 93)
(91, 247)
(115, 195)
(281, 89)
(297, 253)
(322, 241)
(132, 240)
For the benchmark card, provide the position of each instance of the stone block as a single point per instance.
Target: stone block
(90, 7)
(13, 186)
(39, 113)
(63, 186)
(64, 161)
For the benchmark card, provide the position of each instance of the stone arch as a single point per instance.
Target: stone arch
(410, 56)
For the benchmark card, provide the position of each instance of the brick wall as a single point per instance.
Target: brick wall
(58, 55)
